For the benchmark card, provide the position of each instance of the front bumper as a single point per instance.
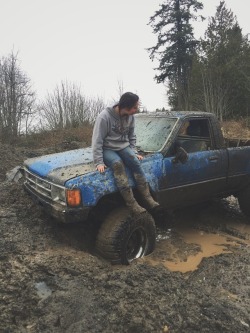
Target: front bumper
(59, 212)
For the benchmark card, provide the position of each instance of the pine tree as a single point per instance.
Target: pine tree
(225, 66)
(175, 47)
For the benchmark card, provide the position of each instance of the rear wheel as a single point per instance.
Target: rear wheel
(123, 237)
(244, 201)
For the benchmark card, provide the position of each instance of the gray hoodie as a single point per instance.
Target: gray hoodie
(113, 132)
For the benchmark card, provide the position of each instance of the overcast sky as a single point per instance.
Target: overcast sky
(93, 43)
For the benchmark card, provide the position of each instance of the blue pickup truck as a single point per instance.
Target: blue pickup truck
(186, 161)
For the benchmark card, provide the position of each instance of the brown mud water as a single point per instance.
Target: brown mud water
(208, 245)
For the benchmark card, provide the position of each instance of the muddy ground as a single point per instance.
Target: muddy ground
(197, 279)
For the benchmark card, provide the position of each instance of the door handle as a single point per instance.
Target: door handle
(213, 158)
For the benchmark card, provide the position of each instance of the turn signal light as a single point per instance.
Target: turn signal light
(73, 197)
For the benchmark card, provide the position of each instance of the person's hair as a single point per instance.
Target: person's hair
(127, 100)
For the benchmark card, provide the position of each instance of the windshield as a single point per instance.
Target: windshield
(152, 133)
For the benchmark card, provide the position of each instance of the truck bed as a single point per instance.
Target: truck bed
(236, 142)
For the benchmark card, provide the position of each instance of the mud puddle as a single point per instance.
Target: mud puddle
(182, 249)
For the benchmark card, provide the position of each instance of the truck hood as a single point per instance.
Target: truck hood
(61, 167)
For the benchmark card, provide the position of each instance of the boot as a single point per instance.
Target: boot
(130, 201)
(124, 188)
(143, 189)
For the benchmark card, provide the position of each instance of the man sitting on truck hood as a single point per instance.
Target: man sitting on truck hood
(114, 145)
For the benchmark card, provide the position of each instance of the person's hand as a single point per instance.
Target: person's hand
(101, 168)
(140, 157)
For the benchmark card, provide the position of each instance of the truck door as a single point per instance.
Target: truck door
(202, 176)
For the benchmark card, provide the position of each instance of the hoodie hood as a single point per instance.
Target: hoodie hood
(63, 166)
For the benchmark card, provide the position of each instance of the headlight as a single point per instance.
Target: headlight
(58, 193)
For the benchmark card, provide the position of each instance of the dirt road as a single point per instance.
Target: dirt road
(197, 279)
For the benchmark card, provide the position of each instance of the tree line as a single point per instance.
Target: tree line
(210, 74)
(21, 113)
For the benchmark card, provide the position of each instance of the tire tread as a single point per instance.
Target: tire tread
(115, 228)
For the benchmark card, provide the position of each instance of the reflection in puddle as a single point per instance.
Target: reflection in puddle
(195, 246)
(43, 291)
(163, 235)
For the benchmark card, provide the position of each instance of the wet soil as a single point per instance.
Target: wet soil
(51, 280)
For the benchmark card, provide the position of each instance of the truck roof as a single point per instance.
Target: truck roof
(175, 114)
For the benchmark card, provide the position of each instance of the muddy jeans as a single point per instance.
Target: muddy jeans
(126, 155)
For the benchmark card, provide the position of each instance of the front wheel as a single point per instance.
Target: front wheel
(244, 201)
(123, 237)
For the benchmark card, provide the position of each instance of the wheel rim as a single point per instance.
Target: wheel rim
(136, 244)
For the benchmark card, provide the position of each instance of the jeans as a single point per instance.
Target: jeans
(126, 155)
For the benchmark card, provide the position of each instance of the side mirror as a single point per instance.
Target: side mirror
(180, 156)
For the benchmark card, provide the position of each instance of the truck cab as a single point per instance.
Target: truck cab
(186, 161)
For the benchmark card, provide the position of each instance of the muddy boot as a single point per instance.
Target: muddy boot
(143, 189)
(125, 190)
(130, 201)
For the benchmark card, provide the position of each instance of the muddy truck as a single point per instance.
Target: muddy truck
(186, 161)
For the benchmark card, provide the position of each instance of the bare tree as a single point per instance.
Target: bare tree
(120, 89)
(119, 92)
(17, 99)
(67, 107)
(215, 95)
(96, 105)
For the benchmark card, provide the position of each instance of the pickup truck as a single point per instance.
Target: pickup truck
(186, 161)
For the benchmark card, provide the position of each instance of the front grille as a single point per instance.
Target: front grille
(40, 185)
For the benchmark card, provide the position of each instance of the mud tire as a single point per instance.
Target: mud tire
(123, 237)
(244, 202)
